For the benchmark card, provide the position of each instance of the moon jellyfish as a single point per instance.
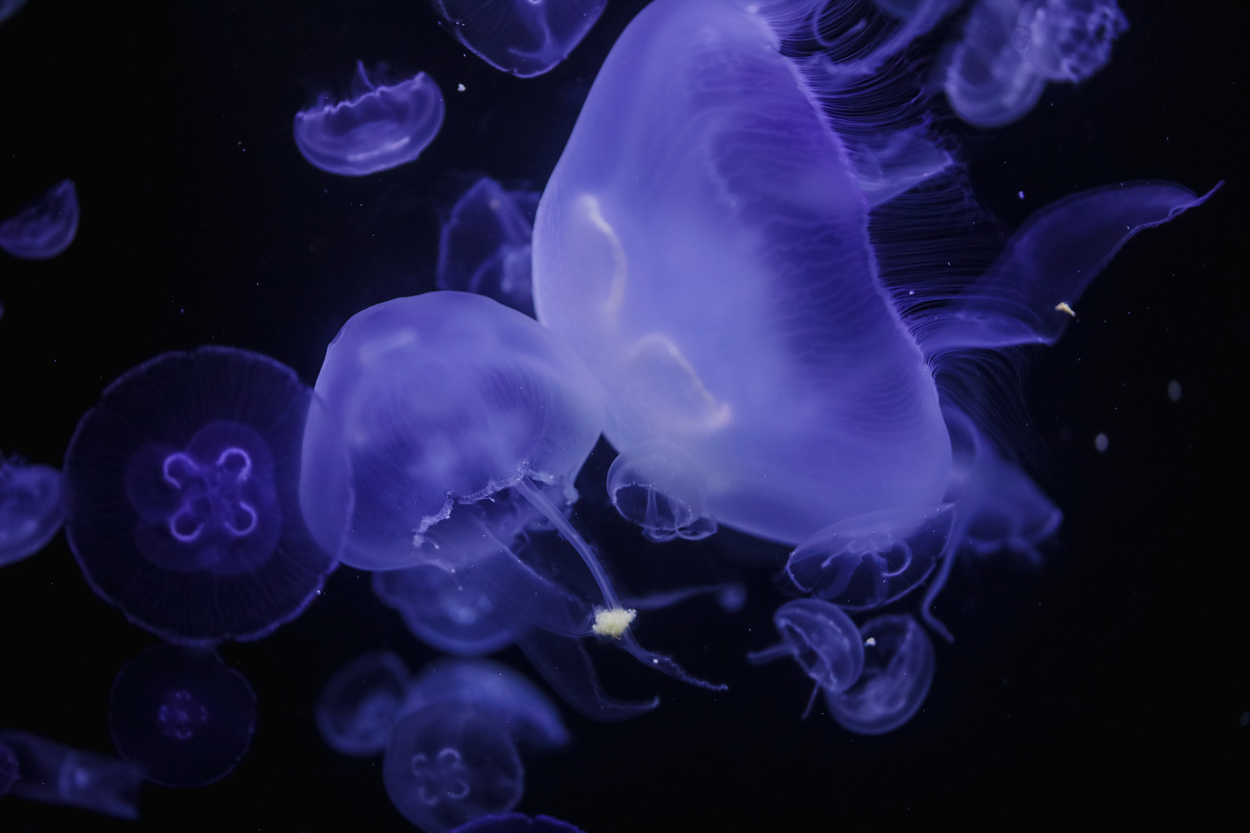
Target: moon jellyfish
(45, 227)
(53, 773)
(517, 823)
(185, 501)
(1011, 48)
(898, 670)
(362, 702)
(32, 508)
(658, 486)
(8, 768)
(8, 8)
(381, 126)
(446, 610)
(485, 244)
(523, 37)
(182, 714)
(822, 639)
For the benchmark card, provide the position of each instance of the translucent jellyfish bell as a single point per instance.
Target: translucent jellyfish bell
(523, 37)
(53, 773)
(446, 610)
(821, 639)
(8, 768)
(186, 507)
(32, 508)
(898, 670)
(660, 487)
(8, 8)
(517, 823)
(182, 714)
(362, 702)
(45, 227)
(382, 126)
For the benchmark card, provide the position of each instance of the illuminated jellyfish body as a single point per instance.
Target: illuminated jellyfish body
(523, 37)
(32, 508)
(517, 823)
(182, 715)
(362, 702)
(485, 244)
(185, 502)
(45, 227)
(53, 773)
(446, 610)
(467, 422)
(898, 670)
(380, 127)
(1011, 48)
(9, 772)
(822, 639)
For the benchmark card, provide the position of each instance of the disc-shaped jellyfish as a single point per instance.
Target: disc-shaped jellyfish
(517, 823)
(182, 714)
(362, 702)
(446, 610)
(53, 773)
(380, 127)
(523, 37)
(485, 244)
(898, 670)
(822, 639)
(185, 501)
(45, 227)
(32, 508)
(8, 768)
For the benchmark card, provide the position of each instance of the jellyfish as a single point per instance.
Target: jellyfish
(8, 8)
(657, 486)
(185, 503)
(898, 670)
(8, 768)
(45, 227)
(1011, 48)
(860, 36)
(380, 127)
(53, 773)
(362, 702)
(822, 639)
(446, 610)
(485, 244)
(32, 508)
(523, 37)
(517, 823)
(182, 714)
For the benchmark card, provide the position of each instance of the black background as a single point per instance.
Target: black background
(1114, 674)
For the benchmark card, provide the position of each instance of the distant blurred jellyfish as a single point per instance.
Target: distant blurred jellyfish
(448, 611)
(8, 768)
(32, 507)
(380, 127)
(53, 773)
(362, 702)
(182, 714)
(8, 8)
(45, 227)
(822, 640)
(898, 670)
(1011, 48)
(485, 244)
(523, 37)
(185, 501)
(517, 823)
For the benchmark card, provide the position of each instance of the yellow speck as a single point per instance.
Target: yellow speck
(1062, 306)
(613, 622)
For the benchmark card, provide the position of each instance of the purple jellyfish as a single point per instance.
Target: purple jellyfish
(822, 640)
(898, 670)
(361, 702)
(523, 37)
(45, 227)
(446, 610)
(32, 508)
(53, 773)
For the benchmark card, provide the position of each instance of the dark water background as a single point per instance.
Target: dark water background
(1113, 674)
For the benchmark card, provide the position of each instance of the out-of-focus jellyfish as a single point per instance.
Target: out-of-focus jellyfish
(446, 610)
(898, 670)
(8, 8)
(517, 823)
(1011, 48)
(182, 714)
(53, 773)
(186, 508)
(362, 702)
(380, 127)
(523, 37)
(485, 244)
(45, 227)
(32, 508)
(8, 768)
(822, 639)
(467, 423)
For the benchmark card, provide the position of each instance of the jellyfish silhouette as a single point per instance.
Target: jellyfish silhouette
(517, 823)
(1012, 48)
(53, 773)
(186, 508)
(523, 37)
(8, 8)
(380, 127)
(8, 768)
(362, 702)
(32, 508)
(446, 610)
(45, 227)
(182, 714)
(485, 244)
(822, 639)
(898, 670)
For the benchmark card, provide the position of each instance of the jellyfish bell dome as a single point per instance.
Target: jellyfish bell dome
(821, 638)
(45, 227)
(182, 714)
(445, 609)
(898, 669)
(362, 702)
(517, 823)
(523, 37)
(32, 508)
(189, 499)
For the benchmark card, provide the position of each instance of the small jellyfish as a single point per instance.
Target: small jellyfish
(380, 127)
(485, 244)
(898, 670)
(8, 8)
(45, 227)
(53, 773)
(32, 508)
(186, 506)
(182, 714)
(659, 486)
(362, 702)
(517, 823)
(523, 37)
(8, 768)
(1174, 391)
(1101, 443)
(822, 639)
(446, 610)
